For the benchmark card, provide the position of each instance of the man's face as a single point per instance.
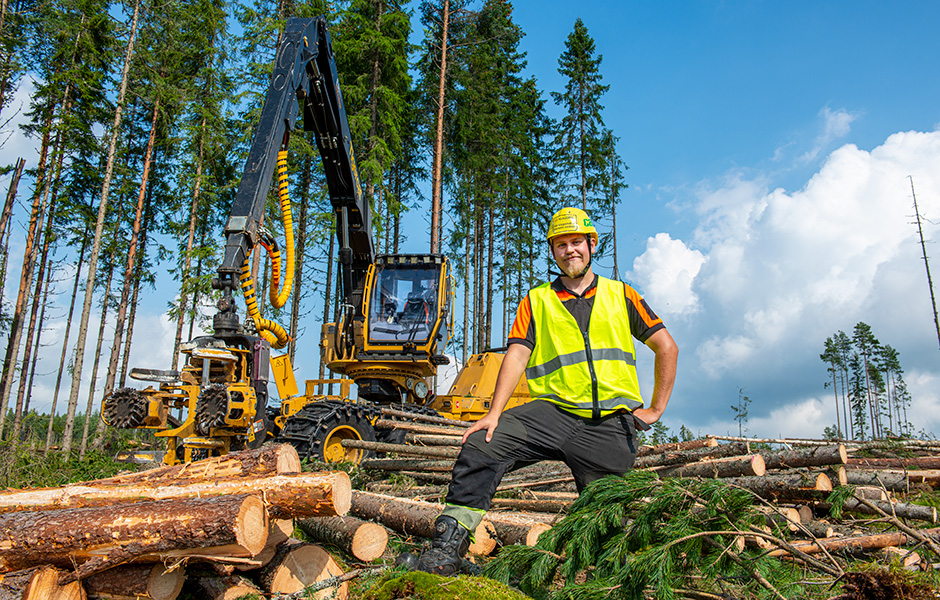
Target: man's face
(572, 252)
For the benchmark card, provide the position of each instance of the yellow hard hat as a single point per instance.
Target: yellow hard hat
(571, 220)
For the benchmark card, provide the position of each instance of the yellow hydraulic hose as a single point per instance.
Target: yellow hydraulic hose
(280, 299)
(269, 330)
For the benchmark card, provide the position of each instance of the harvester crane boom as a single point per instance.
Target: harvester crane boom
(304, 72)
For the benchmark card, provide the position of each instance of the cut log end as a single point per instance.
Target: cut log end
(369, 542)
(299, 565)
(254, 533)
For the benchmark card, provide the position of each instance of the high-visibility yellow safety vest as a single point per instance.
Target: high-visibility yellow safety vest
(589, 375)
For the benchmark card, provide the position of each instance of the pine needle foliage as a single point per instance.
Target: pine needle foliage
(629, 536)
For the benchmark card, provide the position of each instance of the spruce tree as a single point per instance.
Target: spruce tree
(579, 148)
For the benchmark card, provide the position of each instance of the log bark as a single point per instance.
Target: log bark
(272, 459)
(863, 542)
(513, 528)
(395, 464)
(899, 509)
(920, 462)
(101, 537)
(402, 449)
(817, 456)
(535, 505)
(931, 477)
(677, 447)
(426, 418)
(299, 564)
(422, 476)
(411, 517)
(366, 541)
(230, 587)
(896, 481)
(782, 486)
(136, 582)
(418, 427)
(301, 495)
(39, 583)
(432, 440)
(680, 457)
(748, 466)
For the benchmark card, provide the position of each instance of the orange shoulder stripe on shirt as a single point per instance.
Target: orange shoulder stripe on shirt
(634, 298)
(523, 317)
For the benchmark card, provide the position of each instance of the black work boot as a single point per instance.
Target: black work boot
(448, 547)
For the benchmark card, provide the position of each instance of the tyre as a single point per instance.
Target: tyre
(319, 429)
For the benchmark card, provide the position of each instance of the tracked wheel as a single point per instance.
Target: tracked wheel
(319, 429)
(211, 408)
(125, 408)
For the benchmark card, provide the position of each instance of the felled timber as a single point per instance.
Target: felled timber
(919, 462)
(708, 442)
(545, 506)
(896, 481)
(816, 456)
(279, 531)
(100, 537)
(362, 539)
(273, 459)
(432, 440)
(680, 457)
(785, 486)
(422, 476)
(930, 477)
(410, 416)
(515, 528)
(402, 464)
(411, 517)
(301, 495)
(862, 542)
(136, 582)
(229, 587)
(748, 466)
(297, 565)
(418, 427)
(902, 510)
(402, 449)
(39, 583)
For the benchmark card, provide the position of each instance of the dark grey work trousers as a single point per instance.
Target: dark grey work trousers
(537, 431)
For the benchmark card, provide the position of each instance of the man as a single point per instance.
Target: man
(573, 338)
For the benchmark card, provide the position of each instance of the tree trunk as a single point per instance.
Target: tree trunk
(402, 449)
(677, 447)
(782, 487)
(918, 462)
(131, 255)
(42, 322)
(230, 587)
(896, 481)
(26, 276)
(301, 235)
(819, 456)
(187, 255)
(301, 495)
(106, 536)
(533, 505)
(514, 528)
(279, 532)
(39, 583)
(396, 464)
(411, 517)
(65, 342)
(270, 459)
(863, 542)
(437, 182)
(89, 404)
(96, 244)
(679, 457)
(366, 541)
(488, 309)
(11, 196)
(298, 565)
(746, 466)
(137, 582)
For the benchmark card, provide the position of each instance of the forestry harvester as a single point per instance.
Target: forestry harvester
(390, 336)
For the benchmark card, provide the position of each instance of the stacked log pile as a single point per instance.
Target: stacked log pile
(223, 524)
(793, 482)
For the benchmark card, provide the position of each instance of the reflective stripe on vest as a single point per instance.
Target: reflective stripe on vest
(588, 377)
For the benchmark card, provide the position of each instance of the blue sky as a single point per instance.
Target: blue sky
(769, 146)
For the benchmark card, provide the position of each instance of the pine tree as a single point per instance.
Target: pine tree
(579, 138)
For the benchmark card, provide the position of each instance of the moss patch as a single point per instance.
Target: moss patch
(424, 586)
